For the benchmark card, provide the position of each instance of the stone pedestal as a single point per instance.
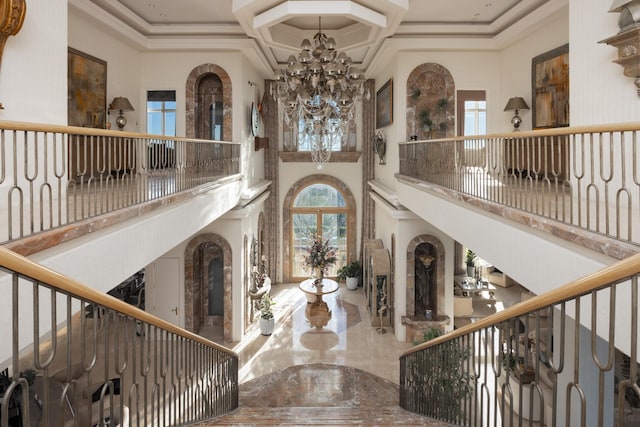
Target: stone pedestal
(417, 326)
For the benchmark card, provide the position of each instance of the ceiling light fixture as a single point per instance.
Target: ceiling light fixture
(318, 92)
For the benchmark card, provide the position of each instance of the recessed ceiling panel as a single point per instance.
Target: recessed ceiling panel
(180, 12)
(331, 22)
(459, 11)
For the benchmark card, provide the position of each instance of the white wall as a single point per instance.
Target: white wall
(123, 65)
(33, 76)
(232, 227)
(515, 69)
(406, 226)
(600, 93)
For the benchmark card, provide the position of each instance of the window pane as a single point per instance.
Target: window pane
(154, 122)
(334, 228)
(319, 195)
(170, 123)
(154, 105)
(303, 225)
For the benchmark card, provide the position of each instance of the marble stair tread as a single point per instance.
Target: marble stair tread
(320, 394)
(322, 416)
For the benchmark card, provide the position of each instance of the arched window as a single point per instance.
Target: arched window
(320, 208)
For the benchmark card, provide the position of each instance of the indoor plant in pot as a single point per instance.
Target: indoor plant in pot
(470, 261)
(267, 321)
(351, 273)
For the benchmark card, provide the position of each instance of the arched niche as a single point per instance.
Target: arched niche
(430, 103)
(416, 250)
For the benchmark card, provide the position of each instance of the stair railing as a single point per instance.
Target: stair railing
(567, 357)
(73, 356)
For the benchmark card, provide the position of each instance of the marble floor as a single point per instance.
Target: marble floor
(348, 338)
(289, 377)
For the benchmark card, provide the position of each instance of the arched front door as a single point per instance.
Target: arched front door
(319, 208)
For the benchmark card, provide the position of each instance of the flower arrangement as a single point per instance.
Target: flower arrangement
(320, 254)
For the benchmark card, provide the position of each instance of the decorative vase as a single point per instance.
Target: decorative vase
(319, 277)
(267, 325)
(471, 271)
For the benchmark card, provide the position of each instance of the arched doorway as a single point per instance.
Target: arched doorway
(208, 280)
(209, 106)
(317, 203)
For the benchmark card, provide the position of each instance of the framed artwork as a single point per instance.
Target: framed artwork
(384, 105)
(550, 88)
(87, 86)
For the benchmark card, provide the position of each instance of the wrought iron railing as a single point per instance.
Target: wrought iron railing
(53, 176)
(567, 357)
(73, 356)
(585, 177)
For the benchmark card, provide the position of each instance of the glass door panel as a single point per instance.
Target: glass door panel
(303, 225)
(334, 228)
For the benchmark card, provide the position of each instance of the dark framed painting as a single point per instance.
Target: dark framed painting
(384, 105)
(87, 86)
(550, 88)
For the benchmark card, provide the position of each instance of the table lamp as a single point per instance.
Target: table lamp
(121, 104)
(516, 103)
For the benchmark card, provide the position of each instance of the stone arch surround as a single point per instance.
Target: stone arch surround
(427, 85)
(192, 287)
(286, 216)
(191, 99)
(411, 259)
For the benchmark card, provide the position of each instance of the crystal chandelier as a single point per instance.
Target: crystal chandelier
(318, 92)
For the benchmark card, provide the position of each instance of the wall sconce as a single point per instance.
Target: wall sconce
(379, 146)
(516, 103)
(628, 38)
(121, 104)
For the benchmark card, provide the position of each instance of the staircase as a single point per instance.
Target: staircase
(322, 416)
(321, 395)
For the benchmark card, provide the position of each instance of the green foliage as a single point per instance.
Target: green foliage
(470, 258)
(265, 307)
(429, 334)
(446, 379)
(353, 269)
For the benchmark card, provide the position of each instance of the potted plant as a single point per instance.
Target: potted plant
(351, 273)
(470, 261)
(267, 321)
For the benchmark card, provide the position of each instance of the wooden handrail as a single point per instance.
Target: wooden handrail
(602, 278)
(24, 266)
(76, 130)
(615, 127)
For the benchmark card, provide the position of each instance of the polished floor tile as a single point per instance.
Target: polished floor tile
(348, 338)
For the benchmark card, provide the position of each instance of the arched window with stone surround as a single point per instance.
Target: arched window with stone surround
(317, 203)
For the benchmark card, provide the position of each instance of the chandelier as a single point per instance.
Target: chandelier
(318, 92)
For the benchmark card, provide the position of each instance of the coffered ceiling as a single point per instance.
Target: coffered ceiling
(271, 30)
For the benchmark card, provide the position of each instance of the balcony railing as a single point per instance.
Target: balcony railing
(583, 177)
(73, 356)
(568, 357)
(54, 176)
